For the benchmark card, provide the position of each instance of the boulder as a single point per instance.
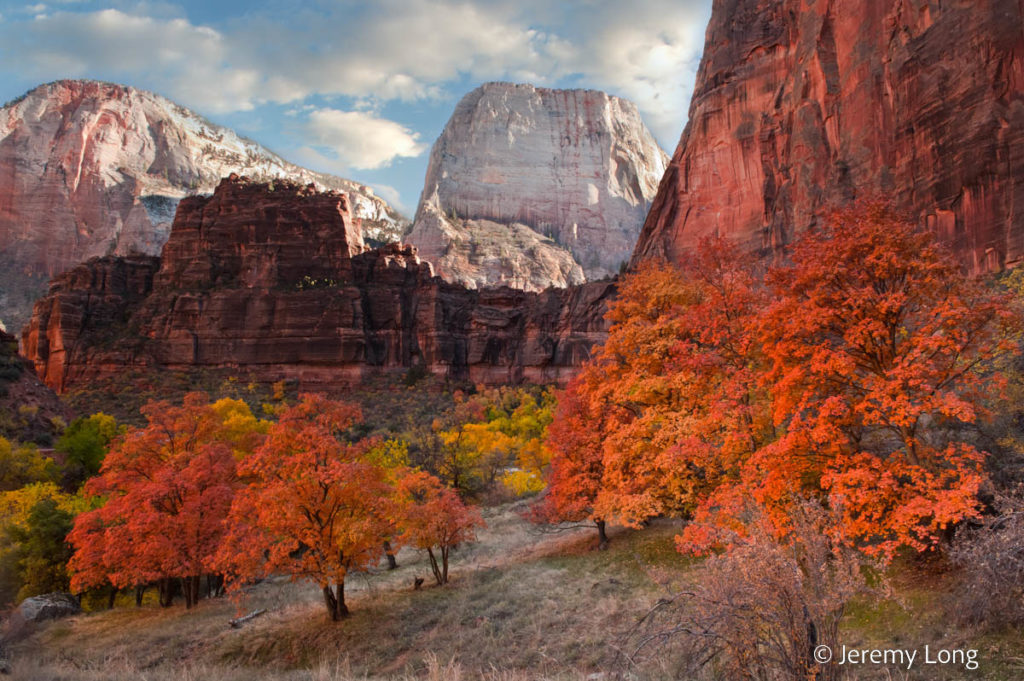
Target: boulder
(31, 611)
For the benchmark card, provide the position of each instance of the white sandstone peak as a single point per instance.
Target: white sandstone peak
(577, 168)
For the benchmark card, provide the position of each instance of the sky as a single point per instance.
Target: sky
(360, 89)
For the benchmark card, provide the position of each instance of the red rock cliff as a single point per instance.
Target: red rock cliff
(803, 104)
(273, 281)
(90, 169)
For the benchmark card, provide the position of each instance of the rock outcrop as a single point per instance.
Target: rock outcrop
(802, 105)
(32, 611)
(90, 169)
(530, 187)
(275, 283)
(29, 411)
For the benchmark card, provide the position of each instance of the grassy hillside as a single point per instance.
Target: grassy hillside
(523, 604)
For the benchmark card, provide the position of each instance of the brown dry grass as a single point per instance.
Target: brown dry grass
(522, 604)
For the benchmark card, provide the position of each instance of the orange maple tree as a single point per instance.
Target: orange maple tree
(851, 373)
(315, 508)
(434, 517)
(168, 488)
(669, 404)
(878, 358)
(576, 472)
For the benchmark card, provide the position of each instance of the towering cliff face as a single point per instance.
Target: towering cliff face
(532, 188)
(89, 169)
(275, 283)
(803, 104)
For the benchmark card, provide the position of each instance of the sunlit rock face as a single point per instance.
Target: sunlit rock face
(802, 105)
(274, 282)
(530, 187)
(90, 169)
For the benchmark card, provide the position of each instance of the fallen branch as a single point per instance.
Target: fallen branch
(239, 621)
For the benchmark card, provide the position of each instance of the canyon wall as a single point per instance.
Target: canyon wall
(801, 105)
(90, 169)
(274, 282)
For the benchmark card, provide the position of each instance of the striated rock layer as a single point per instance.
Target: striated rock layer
(530, 187)
(804, 104)
(277, 284)
(90, 169)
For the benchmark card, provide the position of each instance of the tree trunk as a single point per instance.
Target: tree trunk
(434, 567)
(190, 587)
(330, 602)
(165, 588)
(111, 597)
(444, 564)
(335, 601)
(389, 552)
(214, 586)
(342, 608)
(140, 592)
(602, 534)
(812, 643)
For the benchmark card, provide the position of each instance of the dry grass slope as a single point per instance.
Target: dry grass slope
(522, 605)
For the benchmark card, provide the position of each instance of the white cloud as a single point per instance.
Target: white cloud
(392, 196)
(387, 49)
(649, 53)
(376, 51)
(187, 60)
(360, 140)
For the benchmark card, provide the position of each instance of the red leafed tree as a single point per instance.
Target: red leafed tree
(315, 508)
(878, 354)
(168, 486)
(605, 463)
(669, 405)
(434, 517)
(853, 373)
(575, 475)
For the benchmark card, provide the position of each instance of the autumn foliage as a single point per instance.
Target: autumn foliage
(315, 508)
(168, 488)
(853, 373)
(494, 435)
(208, 489)
(577, 463)
(434, 519)
(320, 504)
